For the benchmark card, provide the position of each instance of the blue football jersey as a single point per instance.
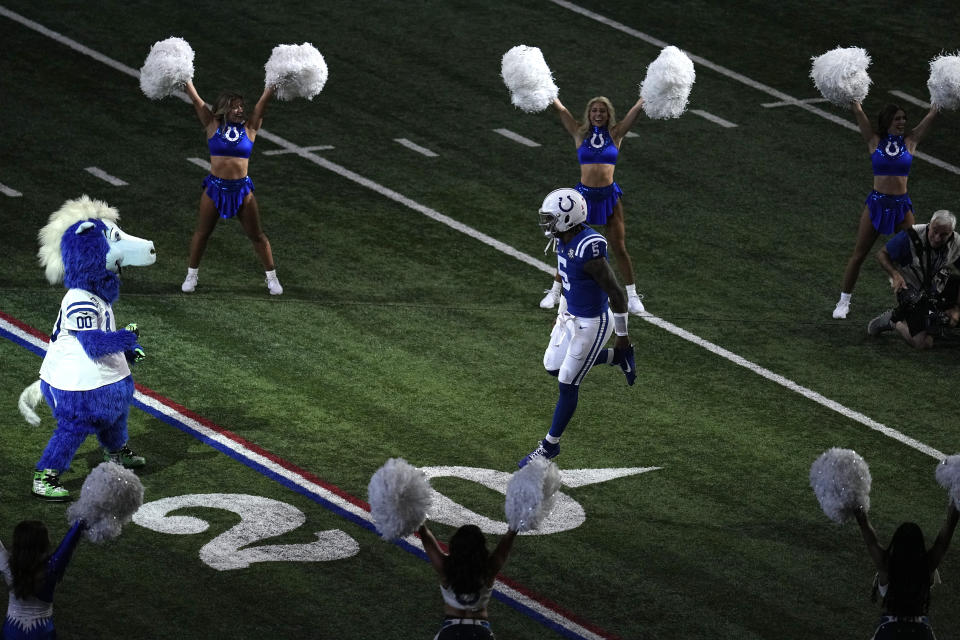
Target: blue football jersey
(584, 296)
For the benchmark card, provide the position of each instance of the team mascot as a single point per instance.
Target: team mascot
(85, 375)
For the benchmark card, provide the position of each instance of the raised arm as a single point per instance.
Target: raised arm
(255, 121)
(434, 553)
(866, 129)
(567, 120)
(203, 111)
(939, 547)
(621, 128)
(877, 553)
(921, 130)
(499, 556)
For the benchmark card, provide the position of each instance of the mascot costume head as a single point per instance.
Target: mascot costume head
(85, 375)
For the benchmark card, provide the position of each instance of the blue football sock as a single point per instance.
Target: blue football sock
(605, 356)
(566, 405)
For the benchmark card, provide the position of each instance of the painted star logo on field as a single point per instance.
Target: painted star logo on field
(567, 513)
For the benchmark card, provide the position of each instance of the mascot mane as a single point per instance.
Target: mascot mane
(50, 236)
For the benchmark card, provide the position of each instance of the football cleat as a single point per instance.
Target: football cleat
(883, 322)
(544, 450)
(46, 486)
(626, 360)
(634, 305)
(124, 456)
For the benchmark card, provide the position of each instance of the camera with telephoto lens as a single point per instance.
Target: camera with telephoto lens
(913, 301)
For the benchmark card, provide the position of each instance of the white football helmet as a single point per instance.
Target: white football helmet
(562, 210)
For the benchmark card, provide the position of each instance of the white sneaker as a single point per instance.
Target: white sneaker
(635, 306)
(841, 311)
(273, 286)
(551, 299)
(189, 283)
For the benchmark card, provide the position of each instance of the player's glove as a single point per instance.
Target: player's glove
(625, 358)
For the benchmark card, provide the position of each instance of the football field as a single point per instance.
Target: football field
(401, 204)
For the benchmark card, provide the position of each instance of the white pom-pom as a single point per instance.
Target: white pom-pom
(528, 78)
(531, 494)
(944, 81)
(168, 66)
(108, 499)
(296, 71)
(841, 75)
(399, 496)
(666, 87)
(841, 480)
(948, 476)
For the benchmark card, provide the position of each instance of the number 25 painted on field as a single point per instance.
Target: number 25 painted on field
(262, 518)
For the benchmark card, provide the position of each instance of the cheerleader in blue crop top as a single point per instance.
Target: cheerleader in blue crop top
(467, 573)
(598, 139)
(228, 190)
(32, 574)
(888, 208)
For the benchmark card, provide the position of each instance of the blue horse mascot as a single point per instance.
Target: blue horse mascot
(85, 375)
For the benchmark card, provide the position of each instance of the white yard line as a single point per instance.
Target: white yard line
(739, 77)
(106, 177)
(714, 119)
(516, 137)
(7, 191)
(415, 147)
(546, 268)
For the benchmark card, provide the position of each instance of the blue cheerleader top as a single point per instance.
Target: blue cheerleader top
(231, 140)
(891, 157)
(597, 148)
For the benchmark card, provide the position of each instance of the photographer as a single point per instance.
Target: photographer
(918, 261)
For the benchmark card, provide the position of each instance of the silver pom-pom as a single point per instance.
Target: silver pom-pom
(168, 66)
(944, 81)
(528, 78)
(840, 478)
(666, 88)
(296, 71)
(948, 476)
(400, 497)
(108, 499)
(531, 494)
(840, 75)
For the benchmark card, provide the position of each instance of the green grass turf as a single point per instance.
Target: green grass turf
(398, 336)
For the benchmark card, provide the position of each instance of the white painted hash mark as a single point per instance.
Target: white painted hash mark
(516, 137)
(714, 119)
(909, 98)
(278, 152)
(106, 177)
(200, 162)
(7, 191)
(415, 147)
